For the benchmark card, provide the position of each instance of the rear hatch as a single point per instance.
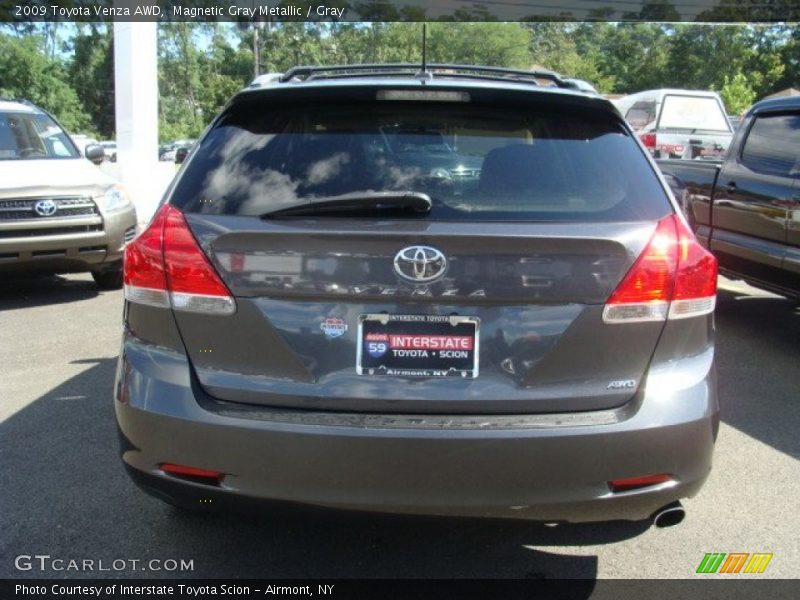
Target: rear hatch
(489, 302)
(692, 127)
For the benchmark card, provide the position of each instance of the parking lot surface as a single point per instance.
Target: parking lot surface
(64, 493)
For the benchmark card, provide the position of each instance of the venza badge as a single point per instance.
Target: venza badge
(420, 264)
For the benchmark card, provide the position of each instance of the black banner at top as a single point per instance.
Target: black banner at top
(726, 11)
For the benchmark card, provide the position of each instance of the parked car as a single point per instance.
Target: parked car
(678, 123)
(110, 148)
(427, 149)
(170, 154)
(747, 208)
(308, 319)
(58, 213)
(163, 152)
(181, 152)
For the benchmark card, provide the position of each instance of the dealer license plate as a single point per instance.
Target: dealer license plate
(417, 345)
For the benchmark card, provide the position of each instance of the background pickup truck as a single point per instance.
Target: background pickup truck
(746, 208)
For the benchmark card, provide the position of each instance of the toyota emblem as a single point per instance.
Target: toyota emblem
(420, 264)
(45, 208)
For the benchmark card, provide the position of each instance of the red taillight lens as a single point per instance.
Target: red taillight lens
(674, 276)
(143, 272)
(194, 285)
(633, 483)
(166, 258)
(649, 140)
(652, 276)
(193, 473)
(696, 281)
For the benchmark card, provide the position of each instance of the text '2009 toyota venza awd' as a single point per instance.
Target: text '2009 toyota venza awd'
(461, 292)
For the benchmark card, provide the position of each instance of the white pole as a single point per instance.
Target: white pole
(136, 99)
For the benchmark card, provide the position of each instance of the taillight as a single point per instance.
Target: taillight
(635, 483)
(143, 272)
(649, 140)
(165, 266)
(696, 283)
(193, 473)
(674, 277)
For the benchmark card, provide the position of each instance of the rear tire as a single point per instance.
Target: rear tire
(109, 279)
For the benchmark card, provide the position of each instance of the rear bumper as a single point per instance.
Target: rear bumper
(547, 467)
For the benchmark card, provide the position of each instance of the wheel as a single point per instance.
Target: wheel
(109, 279)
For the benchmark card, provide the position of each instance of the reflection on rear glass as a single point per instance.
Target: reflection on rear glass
(473, 162)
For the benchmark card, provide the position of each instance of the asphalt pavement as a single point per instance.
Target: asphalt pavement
(64, 494)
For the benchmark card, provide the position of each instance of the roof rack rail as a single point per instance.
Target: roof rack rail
(441, 69)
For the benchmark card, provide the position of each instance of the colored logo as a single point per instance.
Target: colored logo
(420, 264)
(333, 327)
(735, 562)
(377, 344)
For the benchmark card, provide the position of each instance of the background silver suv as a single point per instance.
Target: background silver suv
(58, 212)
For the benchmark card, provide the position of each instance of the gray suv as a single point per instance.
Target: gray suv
(311, 318)
(58, 212)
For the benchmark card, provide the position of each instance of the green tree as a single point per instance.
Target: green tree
(737, 94)
(291, 44)
(27, 72)
(224, 71)
(569, 49)
(91, 74)
(701, 55)
(634, 55)
(775, 62)
(498, 44)
(790, 59)
(180, 113)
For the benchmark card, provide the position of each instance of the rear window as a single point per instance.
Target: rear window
(693, 112)
(773, 146)
(641, 114)
(474, 161)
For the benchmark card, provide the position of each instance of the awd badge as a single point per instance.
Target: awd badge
(333, 327)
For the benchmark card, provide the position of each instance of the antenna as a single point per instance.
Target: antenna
(424, 46)
(423, 74)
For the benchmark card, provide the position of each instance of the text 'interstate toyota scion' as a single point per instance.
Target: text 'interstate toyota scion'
(461, 292)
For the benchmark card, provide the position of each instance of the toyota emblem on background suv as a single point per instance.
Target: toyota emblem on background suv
(45, 208)
(420, 264)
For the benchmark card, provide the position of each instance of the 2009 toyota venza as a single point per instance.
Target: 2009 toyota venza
(456, 292)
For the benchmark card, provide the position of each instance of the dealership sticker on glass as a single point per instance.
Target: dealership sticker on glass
(417, 345)
(333, 327)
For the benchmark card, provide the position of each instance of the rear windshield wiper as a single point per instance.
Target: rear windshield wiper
(357, 202)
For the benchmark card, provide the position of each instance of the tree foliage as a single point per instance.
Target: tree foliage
(91, 73)
(26, 72)
(737, 94)
(68, 68)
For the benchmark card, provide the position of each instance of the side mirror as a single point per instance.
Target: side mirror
(95, 153)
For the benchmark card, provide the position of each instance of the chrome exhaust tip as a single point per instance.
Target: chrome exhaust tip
(669, 515)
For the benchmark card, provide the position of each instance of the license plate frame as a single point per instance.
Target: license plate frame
(444, 333)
